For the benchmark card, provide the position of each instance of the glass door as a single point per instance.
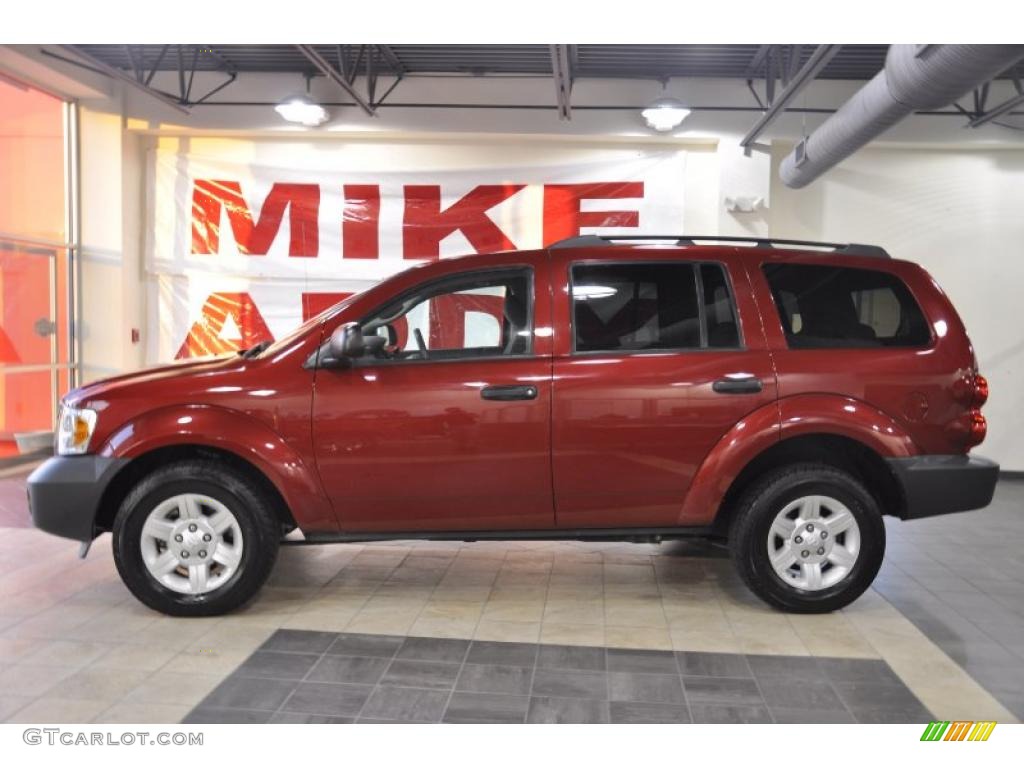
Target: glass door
(36, 254)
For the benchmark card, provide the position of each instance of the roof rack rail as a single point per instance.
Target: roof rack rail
(839, 249)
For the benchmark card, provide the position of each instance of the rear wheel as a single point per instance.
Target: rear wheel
(808, 538)
(195, 538)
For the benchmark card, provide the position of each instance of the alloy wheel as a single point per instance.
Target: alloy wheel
(191, 544)
(814, 542)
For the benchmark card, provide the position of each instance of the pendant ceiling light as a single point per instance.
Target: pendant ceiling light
(302, 110)
(665, 115)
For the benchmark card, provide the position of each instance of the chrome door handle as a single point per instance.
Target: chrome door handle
(738, 384)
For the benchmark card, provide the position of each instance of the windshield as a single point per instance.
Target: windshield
(306, 327)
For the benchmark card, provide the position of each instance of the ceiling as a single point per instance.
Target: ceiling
(356, 68)
(656, 62)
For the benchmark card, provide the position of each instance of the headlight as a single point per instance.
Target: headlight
(75, 430)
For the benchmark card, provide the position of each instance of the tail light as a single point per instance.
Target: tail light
(974, 395)
(977, 428)
(979, 390)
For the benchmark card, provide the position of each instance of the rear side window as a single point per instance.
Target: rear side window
(822, 307)
(636, 307)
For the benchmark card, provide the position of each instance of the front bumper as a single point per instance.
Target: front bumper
(64, 494)
(938, 485)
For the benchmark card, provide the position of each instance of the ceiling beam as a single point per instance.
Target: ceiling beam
(561, 68)
(131, 60)
(822, 55)
(228, 66)
(343, 66)
(392, 58)
(181, 69)
(998, 111)
(758, 61)
(156, 65)
(371, 72)
(336, 77)
(124, 77)
(354, 70)
(793, 64)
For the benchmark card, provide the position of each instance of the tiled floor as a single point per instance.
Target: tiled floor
(75, 646)
(13, 509)
(960, 580)
(303, 676)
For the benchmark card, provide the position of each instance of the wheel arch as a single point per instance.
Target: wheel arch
(846, 432)
(212, 432)
(141, 465)
(832, 449)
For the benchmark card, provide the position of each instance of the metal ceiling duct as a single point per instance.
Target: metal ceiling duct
(915, 77)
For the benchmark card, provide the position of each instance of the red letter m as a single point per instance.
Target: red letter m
(210, 197)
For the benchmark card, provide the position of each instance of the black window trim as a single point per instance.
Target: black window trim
(932, 339)
(496, 272)
(695, 264)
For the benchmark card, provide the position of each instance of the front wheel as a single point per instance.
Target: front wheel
(195, 538)
(808, 538)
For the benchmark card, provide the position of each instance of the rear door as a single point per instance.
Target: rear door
(662, 353)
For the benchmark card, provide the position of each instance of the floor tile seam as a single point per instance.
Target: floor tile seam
(313, 666)
(941, 650)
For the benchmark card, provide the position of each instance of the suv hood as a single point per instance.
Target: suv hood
(103, 388)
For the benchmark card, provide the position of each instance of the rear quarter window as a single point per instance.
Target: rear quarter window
(824, 307)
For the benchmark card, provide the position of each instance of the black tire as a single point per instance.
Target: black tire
(254, 511)
(756, 511)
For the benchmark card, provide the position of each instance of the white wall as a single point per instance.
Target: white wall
(111, 188)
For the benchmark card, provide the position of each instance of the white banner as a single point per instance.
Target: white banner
(249, 238)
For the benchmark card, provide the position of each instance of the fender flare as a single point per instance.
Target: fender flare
(846, 417)
(796, 416)
(754, 433)
(236, 433)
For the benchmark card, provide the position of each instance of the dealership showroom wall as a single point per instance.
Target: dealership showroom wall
(514, 630)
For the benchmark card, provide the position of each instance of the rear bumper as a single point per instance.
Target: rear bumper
(64, 494)
(939, 485)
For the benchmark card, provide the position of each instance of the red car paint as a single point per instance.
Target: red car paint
(613, 440)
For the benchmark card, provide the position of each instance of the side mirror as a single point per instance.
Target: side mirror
(348, 342)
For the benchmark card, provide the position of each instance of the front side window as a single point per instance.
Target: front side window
(822, 307)
(653, 306)
(480, 315)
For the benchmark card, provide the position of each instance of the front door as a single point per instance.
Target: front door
(449, 428)
(657, 370)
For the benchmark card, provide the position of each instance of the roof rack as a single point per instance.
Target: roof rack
(839, 249)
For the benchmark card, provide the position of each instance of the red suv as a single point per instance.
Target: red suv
(782, 397)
